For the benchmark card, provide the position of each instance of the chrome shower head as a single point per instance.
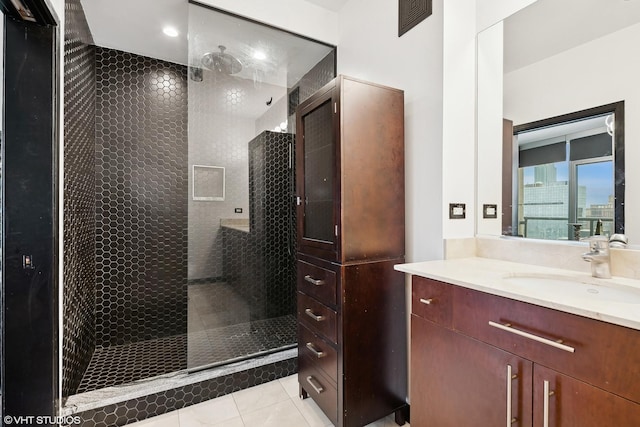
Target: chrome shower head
(221, 62)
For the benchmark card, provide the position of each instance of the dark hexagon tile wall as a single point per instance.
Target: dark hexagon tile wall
(78, 340)
(272, 288)
(160, 403)
(141, 198)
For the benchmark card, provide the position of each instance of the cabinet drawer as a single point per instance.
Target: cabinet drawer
(318, 350)
(432, 300)
(317, 282)
(318, 388)
(605, 355)
(317, 317)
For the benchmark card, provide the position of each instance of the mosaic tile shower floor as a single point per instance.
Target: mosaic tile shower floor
(218, 330)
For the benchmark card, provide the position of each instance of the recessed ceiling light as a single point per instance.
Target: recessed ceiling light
(170, 31)
(260, 55)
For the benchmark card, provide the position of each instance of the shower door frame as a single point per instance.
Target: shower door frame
(30, 366)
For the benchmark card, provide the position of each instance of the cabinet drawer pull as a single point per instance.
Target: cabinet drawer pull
(547, 394)
(510, 378)
(319, 354)
(315, 384)
(316, 282)
(426, 301)
(546, 341)
(314, 316)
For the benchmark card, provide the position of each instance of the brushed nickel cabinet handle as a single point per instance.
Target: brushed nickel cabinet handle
(508, 328)
(426, 301)
(319, 354)
(547, 393)
(314, 316)
(510, 377)
(315, 384)
(317, 282)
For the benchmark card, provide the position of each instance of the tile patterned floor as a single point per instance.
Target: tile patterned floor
(219, 330)
(273, 404)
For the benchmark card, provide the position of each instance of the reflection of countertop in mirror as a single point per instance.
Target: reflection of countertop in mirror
(615, 300)
(239, 224)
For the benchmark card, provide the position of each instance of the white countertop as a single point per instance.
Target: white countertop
(615, 300)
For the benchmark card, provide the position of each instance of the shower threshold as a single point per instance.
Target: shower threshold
(114, 395)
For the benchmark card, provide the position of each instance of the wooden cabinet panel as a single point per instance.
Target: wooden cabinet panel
(372, 171)
(458, 381)
(574, 403)
(374, 358)
(432, 300)
(601, 348)
(313, 384)
(318, 350)
(317, 282)
(317, 317)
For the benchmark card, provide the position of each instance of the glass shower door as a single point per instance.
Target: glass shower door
(245, 80)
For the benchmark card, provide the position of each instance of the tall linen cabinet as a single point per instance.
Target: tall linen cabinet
(352, 337)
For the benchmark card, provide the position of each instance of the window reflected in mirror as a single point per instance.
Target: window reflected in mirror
(566, 177)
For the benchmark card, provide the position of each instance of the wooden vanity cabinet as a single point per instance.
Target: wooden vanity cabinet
(352, 338)
(575, 403)
(459, 381)
(461, 365)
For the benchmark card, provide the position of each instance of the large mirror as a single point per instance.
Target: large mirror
(559, 59)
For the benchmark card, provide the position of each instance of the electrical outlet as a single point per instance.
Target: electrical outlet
(457, 210)
(489, 211)
(238, 210)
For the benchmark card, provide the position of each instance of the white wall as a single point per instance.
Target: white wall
(593, 74)
(490, 12)
(369, 48)
(458, 139)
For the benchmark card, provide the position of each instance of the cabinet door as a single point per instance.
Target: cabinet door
(458, 381)
(316, 176)
(562, 401)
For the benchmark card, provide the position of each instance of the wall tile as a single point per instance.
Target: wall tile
(141, 198)
(78, 339)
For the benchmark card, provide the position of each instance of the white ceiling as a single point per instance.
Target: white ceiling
(136, 26)
(548, 27)
(334, 5)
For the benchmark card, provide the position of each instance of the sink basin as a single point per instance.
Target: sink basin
(575, 287)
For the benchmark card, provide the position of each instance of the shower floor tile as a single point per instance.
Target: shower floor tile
(217, 345)
(218, 330)
(122, 364)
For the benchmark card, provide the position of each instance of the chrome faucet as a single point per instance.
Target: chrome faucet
(598, 256)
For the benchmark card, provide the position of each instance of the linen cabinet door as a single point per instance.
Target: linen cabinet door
(458, 381)
(562, 401)
(317, 177)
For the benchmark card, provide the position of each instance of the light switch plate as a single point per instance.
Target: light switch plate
(457, 210)
(489, 211)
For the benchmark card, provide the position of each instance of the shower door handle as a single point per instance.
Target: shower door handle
(317, 282)
(314, 316)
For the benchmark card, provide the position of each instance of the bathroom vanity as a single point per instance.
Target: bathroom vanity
(494, 345)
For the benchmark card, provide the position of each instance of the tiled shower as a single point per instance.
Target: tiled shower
(157, 280)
